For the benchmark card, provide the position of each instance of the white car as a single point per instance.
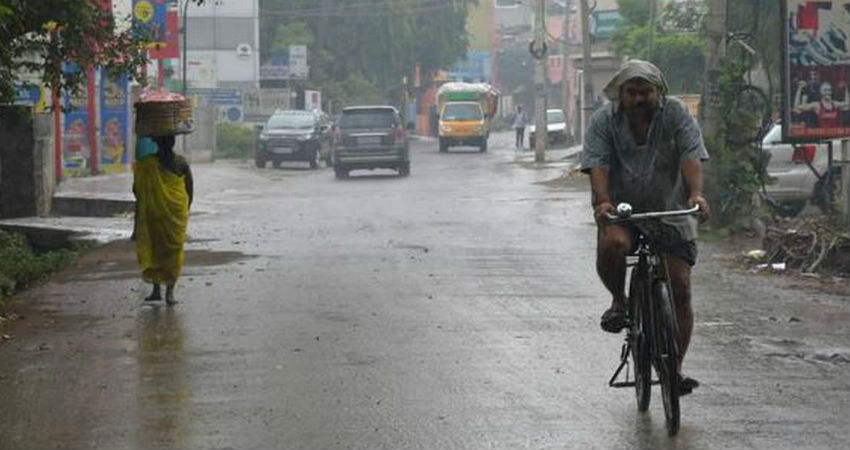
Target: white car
(556, 128)
(794, 182)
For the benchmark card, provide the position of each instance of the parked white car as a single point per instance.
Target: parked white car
(794, 183)
(556, 128)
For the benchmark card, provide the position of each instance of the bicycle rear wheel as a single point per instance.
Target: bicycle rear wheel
(639, 342)
(667, 354)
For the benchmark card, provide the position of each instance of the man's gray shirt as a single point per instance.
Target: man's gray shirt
(649, 178)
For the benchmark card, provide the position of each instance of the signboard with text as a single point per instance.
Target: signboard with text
(605, 23)
(816, 70)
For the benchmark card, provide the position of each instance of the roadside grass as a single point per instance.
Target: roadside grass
(21, 266)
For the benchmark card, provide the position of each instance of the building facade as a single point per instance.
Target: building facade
(223, 44)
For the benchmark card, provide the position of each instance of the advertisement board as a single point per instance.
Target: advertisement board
(169, 47)
(286, 65)
(114, 122)
(605, 23)
(76, 149)
(816, 70)
(150, 17)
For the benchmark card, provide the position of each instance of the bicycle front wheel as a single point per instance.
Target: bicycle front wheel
(667, 354)
(639, 341)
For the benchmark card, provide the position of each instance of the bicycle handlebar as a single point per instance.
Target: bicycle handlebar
(624, 213)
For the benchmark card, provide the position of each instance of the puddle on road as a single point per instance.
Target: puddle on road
(118, 262)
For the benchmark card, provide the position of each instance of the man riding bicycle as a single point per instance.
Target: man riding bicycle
(645, 149)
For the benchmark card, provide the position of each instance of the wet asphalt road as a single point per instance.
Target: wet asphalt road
(453, 309)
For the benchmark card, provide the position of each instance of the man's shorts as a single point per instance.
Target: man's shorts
(665, 239)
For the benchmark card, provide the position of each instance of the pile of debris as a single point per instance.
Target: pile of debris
(811, 245)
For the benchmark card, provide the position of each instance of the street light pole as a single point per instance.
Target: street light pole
(185, 38)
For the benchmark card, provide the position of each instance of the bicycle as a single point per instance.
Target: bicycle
(651, 337)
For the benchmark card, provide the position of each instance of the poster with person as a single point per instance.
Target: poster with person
(115, 123)
(816, 71)
(76, 149)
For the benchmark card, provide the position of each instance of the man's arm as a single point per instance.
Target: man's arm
(600, 181)
(595, 161)
(692, 172)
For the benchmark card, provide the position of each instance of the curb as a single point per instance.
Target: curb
(91, 207)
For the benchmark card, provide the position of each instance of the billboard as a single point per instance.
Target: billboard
(605, 23)
(76, 149)
(169, 47)
(150, 17)
(114, 122)
(286, 65)
(816, 69)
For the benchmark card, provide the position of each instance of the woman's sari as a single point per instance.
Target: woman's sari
(162, 217)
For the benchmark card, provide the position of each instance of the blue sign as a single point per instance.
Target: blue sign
(218, 97)
(150, 18)
(27, 94)
(76, 149)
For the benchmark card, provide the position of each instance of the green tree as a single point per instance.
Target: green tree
(367, 42)
(39, 36)
(678, 44)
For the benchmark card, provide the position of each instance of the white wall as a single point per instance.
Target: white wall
(213, 42)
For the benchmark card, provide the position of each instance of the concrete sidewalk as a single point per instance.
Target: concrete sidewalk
(91, 211)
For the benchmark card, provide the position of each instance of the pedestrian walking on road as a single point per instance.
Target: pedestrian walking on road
(163, 187)
(645, 149)
(519, 123)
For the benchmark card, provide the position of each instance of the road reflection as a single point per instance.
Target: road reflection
(164, 398)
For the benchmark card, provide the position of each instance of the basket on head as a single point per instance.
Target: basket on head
(162, 114)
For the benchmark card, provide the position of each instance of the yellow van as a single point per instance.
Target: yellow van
(466, 110)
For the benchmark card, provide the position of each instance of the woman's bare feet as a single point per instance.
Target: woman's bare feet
(156, 294)
(169, 295)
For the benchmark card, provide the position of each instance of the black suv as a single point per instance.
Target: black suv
(371, 137)
(294, 135)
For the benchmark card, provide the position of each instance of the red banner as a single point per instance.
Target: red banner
(170, 45)
(816, 70)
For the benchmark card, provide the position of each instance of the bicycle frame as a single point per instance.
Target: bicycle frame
(644, 272)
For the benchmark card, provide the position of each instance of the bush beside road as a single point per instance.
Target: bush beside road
(21, 266)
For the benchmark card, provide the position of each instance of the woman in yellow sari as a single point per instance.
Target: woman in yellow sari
(163, 188)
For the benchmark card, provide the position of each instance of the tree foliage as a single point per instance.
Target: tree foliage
(367, 42)
(39, 37)
(678, 44)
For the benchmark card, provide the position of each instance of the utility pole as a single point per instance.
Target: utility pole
(565, 55)
(587, 68)
(716, 40)
(539, 52)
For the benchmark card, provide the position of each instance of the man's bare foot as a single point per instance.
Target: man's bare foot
(156, 294)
